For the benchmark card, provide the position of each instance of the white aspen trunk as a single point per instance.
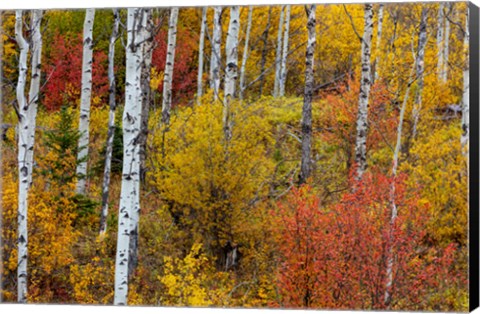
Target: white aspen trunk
(23, 168)
(466, 90)
(215, 59)
(394, 213)
(26, 137)
(420, 68)
(278, 54)
(440, 30)
(305, 168)
(201, 47)
(283, 71)
(169, 64)
(365, 84)
(379, 40)
(85, 97)
(446, 46)
(145, 47)
(246, 50)
(264, 51)
(111, 122)
(231, 68)
(130, 191)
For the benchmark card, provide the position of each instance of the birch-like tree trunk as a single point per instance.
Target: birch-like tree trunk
(278, 54)
(130, 191)
(420, 68)
(27, 110)
(246, 50)
(394, 212)
(264, 51)
(365, 84)
(283, 71)
(201, 47)
(379, 40)
(446, 45)
(305, 168)
(85, 97)
(216, 56)
(147, 46)
(111, 122)
(169, 64)
(466, 90)
(231, 68)
(440, 30)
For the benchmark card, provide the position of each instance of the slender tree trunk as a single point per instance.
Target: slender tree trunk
(86, 93)
(365, 84)
(201, 47)
(130, 191)
(278, 54)
(22, 160)
(466, 90)
(26, 138)
(215, 59)
(246, 50)
(148, 46)
(446, 45)
(231, 69)
(283, 73)
(169, 64)
(394, 213)
(305, 168)
(264, 51)
(379, 40)
(420, 68)
(440, 29)
(111, 122)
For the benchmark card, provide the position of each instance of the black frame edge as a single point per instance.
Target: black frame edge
(474, 156)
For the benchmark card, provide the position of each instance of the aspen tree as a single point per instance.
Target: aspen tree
(201, 47)
(130, 190)
(365, 84)
(278, 53)
(231, 68)
(216, 56)
(111, 121)
(420, 68)
(27, 110)
(85, 97)
(379, 40)
(246, 50)
(283, 71)
(466, 89)
(305, 168)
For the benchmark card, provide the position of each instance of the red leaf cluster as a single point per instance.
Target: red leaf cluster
(64, 73)
(336, 257)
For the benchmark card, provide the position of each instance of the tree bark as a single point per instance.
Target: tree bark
(365, 84)
(231, 69)
(379, 40)
(264, 51)
(148, 46)
(26, 139)
(420, 68)
(111, 122)
(278, 54)
(283, 72)
(201, 47)
(85, 97)
(446, 45)
(215, 59)
(440, 30)
(466, 90)
(130, 191)
(169, 64)
(306, 164)
(246, 50)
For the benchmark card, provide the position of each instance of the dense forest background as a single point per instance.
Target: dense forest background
(262, 156)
